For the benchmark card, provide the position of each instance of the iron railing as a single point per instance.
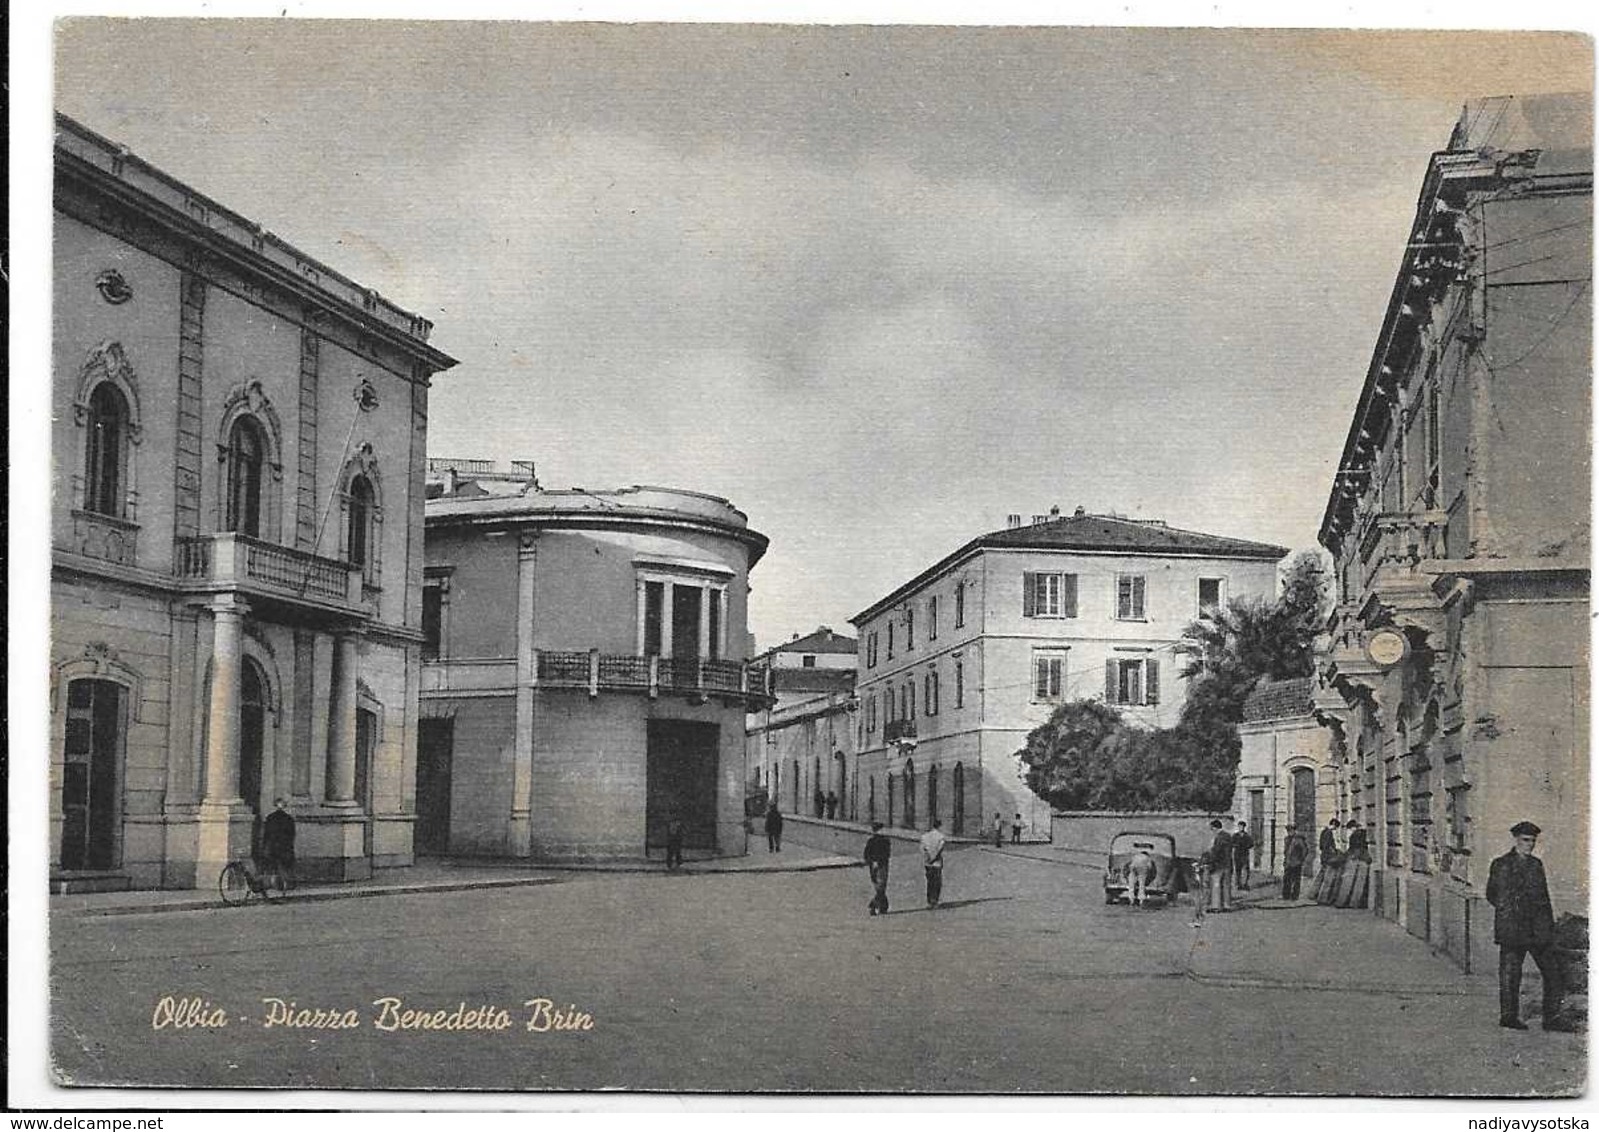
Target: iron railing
(598, 672)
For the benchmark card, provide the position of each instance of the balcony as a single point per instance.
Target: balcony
(1396, 541)
(596, 672)
(231, 561)
(897, 729)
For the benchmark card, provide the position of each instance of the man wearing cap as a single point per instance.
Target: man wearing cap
(1294, 853)
(1524, 922)
(876, 856)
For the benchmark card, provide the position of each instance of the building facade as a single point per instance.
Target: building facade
(585, 679)
(803, 742)
(1457, 662)
(1287, 769)
(236, 560)
(957, 665)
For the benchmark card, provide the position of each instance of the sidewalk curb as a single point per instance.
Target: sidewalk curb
(318, 897)
(704, 870)
(1260, 983)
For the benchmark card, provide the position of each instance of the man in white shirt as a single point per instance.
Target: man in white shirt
(933, 862)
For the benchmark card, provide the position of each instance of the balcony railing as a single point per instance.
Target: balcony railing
(596, 672)
(229, 559)
(1402, 538)
(896, 729)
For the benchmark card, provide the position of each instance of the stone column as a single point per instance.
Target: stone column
(222, 736)
(521, 838)
(340, 789)
(224, 822)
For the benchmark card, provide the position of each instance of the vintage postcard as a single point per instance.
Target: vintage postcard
(814, 559)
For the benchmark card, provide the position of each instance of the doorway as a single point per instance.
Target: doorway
(435, 752)
(252, 747)
(1304, 803)
(680, 782)
(366, 744)
(89, 803)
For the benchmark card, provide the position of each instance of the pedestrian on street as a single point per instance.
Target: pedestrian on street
(1220, 862)
(277, 845)
(674, 843)
(1016, 830)
(1331, 862)
(1524, 924)
(774, 829)
(1294, 852)
(819, 800)
(1359, 845)
(999, 830)
(1243, 848)
(876, 855)
(832, 805)
(933, 862)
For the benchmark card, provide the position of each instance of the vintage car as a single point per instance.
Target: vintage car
(1168, 873)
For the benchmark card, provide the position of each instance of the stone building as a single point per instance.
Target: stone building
(803, 741)
(958, 664)
(236, 560)
(1459, 525)
(585, 679)
(1287, 769)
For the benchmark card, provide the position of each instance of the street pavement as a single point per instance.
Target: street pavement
(761, 980)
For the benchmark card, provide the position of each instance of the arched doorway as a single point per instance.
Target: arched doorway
(366, 740)
(252, 744)
(888, 784)
(958, 817)
(841, 791)
(96, 725)
(910, 794)
(1303, 802)
(932, 794)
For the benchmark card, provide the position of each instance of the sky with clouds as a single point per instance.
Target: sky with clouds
(878, 286)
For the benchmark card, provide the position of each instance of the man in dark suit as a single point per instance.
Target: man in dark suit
(1524, 923)
(878, 849)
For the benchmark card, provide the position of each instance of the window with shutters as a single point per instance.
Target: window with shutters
(871, 650)
(1434, 443)
(1210, 594)
(910, 628)
(888, 705)
(890, 640)
(106, 451)
(930, 692)
(960, 604)
(960, 684)
(932, 618)
(1132, 683)
(871, 714)
(1049, 676)
(1129, 597)
(1049, 595)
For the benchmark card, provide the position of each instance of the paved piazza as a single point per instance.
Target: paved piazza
(1023, 981)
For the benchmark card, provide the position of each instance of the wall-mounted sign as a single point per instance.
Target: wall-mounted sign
(1387, 647)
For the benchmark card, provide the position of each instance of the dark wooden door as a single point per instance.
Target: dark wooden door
(1304, 805)
(680, 784)
(435, 752)
(89, 803)
(252, 747)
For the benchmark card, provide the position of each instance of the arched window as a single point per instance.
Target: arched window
(932, 794)
(910, 794)
(106, 450)
(358, 525)
(246, 460)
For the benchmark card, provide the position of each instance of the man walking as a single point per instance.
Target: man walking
(674, 843)
(1016, 830)
(774, 829)
(1524, 923)
(1220, 861)
(933, 862)
(999, 830)
(1294, 852)
(277, 845)
(876, 855)
(832, 805)
(1243, 847)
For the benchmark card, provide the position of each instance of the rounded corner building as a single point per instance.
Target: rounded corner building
(585, 668)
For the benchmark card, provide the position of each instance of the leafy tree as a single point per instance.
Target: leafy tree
(1063, 762)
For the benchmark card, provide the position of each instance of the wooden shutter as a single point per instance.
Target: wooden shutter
(1138, 596)
(1152, 681)
(1110, 681)
(1029, 595)
(1068, 595)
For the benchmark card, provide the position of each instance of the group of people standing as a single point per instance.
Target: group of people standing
(1344, 855)
(826, 805)
(1227, 865)
(879, 849)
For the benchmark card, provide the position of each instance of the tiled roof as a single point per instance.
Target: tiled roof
(1107, 532)
(1279, 699)
(823, 640)
(1092, 533)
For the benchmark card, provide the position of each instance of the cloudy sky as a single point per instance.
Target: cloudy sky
(877, 286)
